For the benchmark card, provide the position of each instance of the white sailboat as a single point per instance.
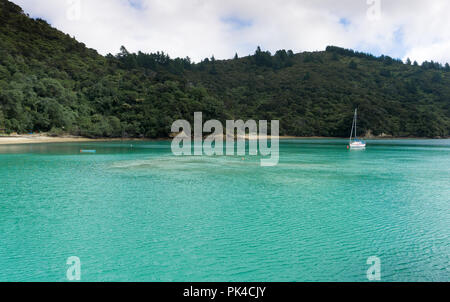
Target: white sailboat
(355, 143)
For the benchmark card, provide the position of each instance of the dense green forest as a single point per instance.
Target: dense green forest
(49, 82)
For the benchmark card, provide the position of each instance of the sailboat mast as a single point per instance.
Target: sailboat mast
(356, 117)
(353, 129)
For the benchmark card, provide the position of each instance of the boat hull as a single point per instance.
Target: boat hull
(357, 146)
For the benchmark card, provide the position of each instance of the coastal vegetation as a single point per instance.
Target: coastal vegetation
(50, 82)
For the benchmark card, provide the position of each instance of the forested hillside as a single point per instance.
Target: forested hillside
(49, 82)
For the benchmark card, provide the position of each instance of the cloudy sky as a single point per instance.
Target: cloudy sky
(417, 29)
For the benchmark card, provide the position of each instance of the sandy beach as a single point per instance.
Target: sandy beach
(44, 139)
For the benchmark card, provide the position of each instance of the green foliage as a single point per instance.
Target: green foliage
(50, 82)
(353, 65)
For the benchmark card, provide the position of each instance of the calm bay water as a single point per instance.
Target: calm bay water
(137, 213)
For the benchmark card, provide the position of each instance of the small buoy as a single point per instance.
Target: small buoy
(348, 147)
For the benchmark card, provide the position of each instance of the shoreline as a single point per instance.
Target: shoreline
(44, 139)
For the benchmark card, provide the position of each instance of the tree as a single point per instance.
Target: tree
(262, 58)
(129, 60)
(2, 121)
(123, 52)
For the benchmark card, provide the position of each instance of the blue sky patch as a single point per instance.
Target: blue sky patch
(237, 23)
(344, 22)
(137, 4)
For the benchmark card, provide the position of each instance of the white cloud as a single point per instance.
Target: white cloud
(439, 52)
(200, 28)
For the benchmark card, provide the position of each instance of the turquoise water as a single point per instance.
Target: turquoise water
(137, 213)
